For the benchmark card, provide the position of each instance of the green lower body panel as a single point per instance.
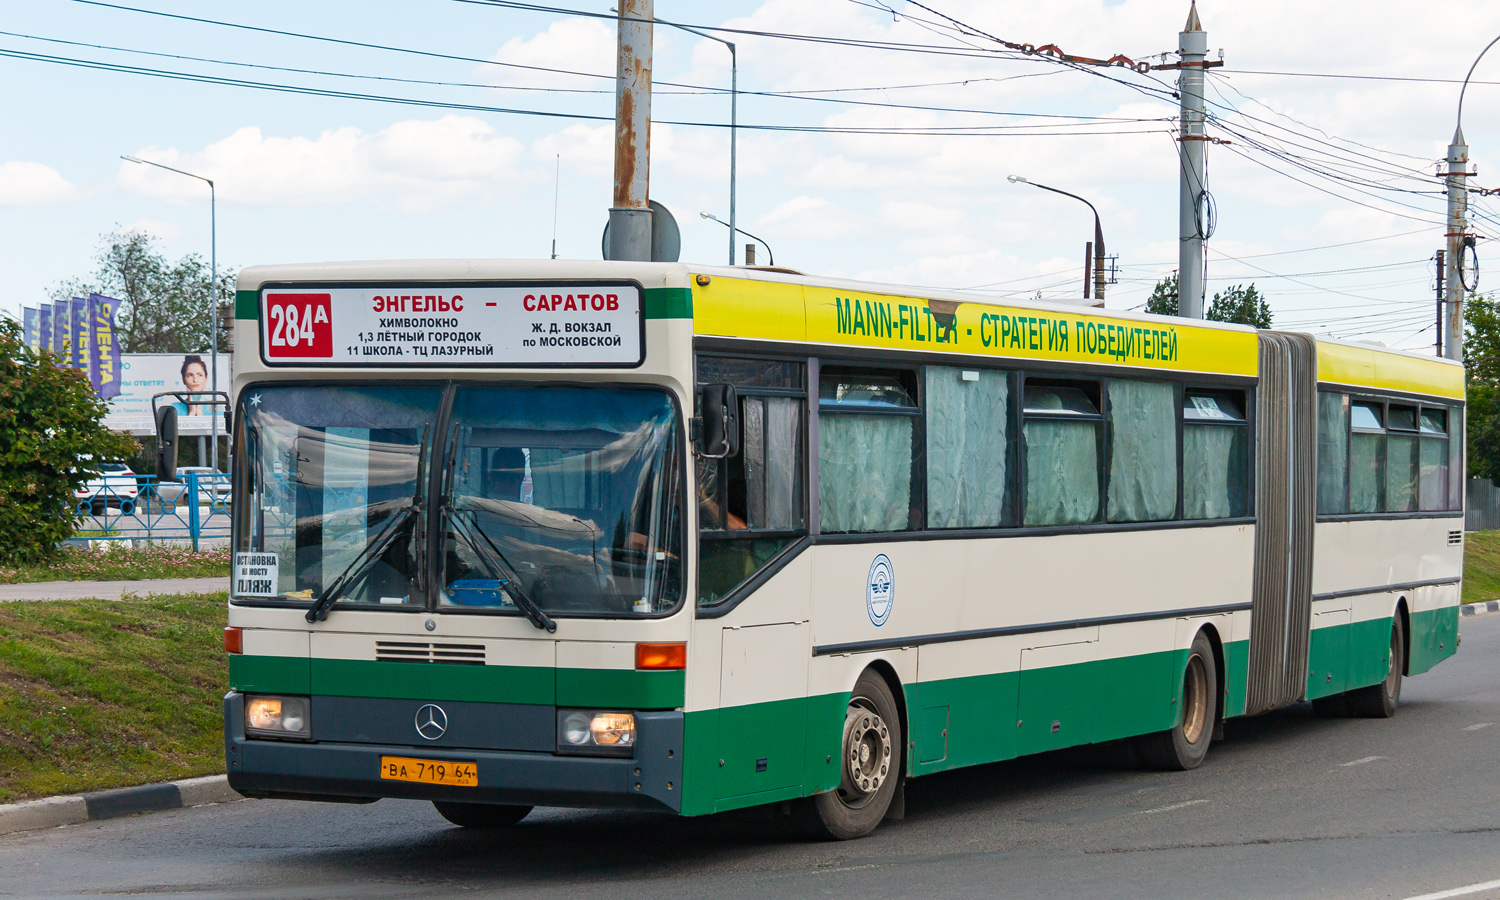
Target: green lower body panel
(1236, 677)
(1434, 638)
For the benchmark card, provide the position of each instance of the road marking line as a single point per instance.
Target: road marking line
(1478, 725)
(1458, 891)
(1170, 806)
(1360, 762)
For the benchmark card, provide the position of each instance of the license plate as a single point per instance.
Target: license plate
(429, 771)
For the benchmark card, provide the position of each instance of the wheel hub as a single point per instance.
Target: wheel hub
(867, 753)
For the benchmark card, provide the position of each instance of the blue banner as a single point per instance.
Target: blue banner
(104, 363)
(51, 338)
(78, 358)
(30, 326)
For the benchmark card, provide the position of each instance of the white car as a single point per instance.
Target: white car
(212, 484)
(114, 487)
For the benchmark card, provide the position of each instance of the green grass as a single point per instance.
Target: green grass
(99, 694)
(1481, 566)
(123, 565)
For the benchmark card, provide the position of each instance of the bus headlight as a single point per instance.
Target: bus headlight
(598, 733)
(283, 717)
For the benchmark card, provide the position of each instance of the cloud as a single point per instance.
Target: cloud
(33, 184)
(572, 44)
(419, 165)
(809, 218)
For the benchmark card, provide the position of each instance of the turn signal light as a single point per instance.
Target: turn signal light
(661, 656)
(234, 640)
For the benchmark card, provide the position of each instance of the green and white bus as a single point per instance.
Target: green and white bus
(690, 539)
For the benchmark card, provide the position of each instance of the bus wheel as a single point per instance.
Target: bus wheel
(480, 815)
(1185, 745)
(870, 769)
(1379, 701)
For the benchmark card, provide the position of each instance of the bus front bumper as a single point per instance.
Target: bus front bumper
(350, 772)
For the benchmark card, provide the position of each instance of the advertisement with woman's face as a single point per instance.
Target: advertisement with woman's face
(194, 374)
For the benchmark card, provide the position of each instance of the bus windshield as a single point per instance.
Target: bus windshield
(568, 496)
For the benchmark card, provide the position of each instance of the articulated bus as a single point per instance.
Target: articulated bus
(692, 539)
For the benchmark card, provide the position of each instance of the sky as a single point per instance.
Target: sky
(875, 140)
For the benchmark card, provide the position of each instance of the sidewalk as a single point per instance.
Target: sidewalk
(110, 590)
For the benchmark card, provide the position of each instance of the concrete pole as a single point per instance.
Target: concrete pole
(630, 214)
(1458, 214)
(1192, 46)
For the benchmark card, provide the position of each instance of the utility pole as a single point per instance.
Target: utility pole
(1192, 47)
(1458, 214)
(630, 214)
(1441, 289)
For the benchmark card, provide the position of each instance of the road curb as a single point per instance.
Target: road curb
(1480, 609)
(76, 809)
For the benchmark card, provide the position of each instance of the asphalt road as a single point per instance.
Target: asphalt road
(1287, 806)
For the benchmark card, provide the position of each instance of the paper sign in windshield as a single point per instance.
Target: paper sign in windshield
(255, 574)
(453, 325)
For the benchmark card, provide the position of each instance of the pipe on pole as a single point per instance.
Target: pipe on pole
(1192, 46)
(630, 214)
(1458, 214)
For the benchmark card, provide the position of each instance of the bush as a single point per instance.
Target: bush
(50, 420)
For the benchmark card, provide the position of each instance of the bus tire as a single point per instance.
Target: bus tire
(1379, 701)
(870, 765)
(480, 815)
(1184, 745)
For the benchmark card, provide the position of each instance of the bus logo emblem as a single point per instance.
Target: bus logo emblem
(880, 590)
(431, 721)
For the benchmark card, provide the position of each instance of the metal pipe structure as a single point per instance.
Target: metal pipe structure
(1456, 182)
(213, 290)
(733, 230)
(1099, 279)
(630, 213)
(1192, 46)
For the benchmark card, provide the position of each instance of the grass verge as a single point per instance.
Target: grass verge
(1481, 566)
(99, 694)
(74, 564)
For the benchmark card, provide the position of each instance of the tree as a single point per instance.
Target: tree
(50, 419)
(1482, 366)
(165, 304)
(1241, 305)
(1163, 299)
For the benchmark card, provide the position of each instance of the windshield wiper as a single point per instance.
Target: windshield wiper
(373, 550)
(498, 564)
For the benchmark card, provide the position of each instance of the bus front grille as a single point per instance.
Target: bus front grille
(413, 651)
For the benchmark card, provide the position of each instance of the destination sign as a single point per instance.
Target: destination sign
(593, 324)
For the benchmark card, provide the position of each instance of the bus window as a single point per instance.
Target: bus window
(1432, 493)
(1142, 451)
(1401, 458)
(1366, 457)
(968, 444)
(752, 506)
(866, 432)
(1333, 453)
(1456, 470)
(1061, 435)
(1215, 455)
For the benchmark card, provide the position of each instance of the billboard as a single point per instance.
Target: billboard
(143, 375)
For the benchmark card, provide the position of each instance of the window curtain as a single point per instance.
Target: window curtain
(1366, 472)
(1434, 489)
(1333, 452)
(783, 426)
(1400, 473)
(966, 448)
(1062, 472)
(864, 474)
(1143, 451)
(1213, 474)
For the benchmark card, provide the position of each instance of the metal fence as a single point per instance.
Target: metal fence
(1482, 512)
(132, 507)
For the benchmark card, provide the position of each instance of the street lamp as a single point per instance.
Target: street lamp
(747, 234)
(734, 103)
(1098, 236)
(213, 287)
(1459, 239)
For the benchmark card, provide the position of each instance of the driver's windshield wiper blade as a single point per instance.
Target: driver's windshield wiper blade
(372, 551)
(496, 560)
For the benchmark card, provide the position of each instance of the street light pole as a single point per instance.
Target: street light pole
(734, 117)
(1456, 182)
(747, 234)
(1099, 279)
(213, 289)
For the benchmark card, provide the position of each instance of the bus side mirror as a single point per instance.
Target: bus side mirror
(166, 443)
(719, 413)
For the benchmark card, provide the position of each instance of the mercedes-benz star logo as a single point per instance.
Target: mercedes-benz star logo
(431, 721)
